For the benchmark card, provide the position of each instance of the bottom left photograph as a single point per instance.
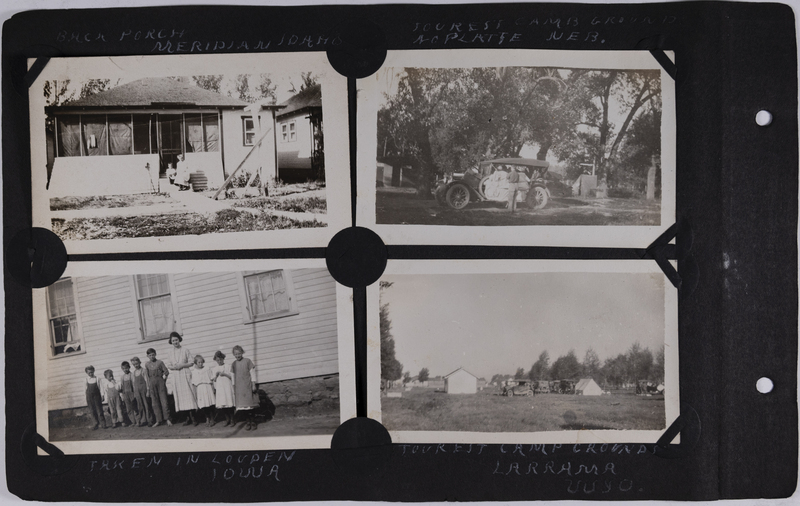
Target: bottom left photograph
(175, 356)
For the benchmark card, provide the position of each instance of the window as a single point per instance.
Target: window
(154, 300)
(289, 131)
(268, 295)
(248, 131)
(142, 135)
(65, 337)
(120, 134)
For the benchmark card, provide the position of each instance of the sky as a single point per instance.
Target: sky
(493, 323)
(283, 91)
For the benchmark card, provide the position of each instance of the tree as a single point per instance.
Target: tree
(93, 87)
(566, 367)
(423, 375)
(520, 373)
(57, 92)
(591, 365)
(657, 373)
(541, 368)
(615, 370)
(640, 362)
(391, 369)
(209, 82)
(406, 377)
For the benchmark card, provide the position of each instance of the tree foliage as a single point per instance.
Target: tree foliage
(423, 374)
(520, 373)
(591, 365)
(540, 370)
(209, 82)
(447, 120)
(566, 367)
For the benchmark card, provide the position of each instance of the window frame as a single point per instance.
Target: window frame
(173, 300)
(78, 327)
(244, 297)
(293, 131)
(246, 131)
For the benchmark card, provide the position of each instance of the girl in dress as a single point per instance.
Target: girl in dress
(244, 386)
(202, 379)
(180, 362)
(223, 381)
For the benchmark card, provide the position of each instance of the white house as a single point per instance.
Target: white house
(300, 143)
(284, 319)
(460, 381)
(587, 386)
(120, 141)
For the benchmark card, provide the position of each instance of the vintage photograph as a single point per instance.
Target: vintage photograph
(526, 352)
(129, 155)
(253, 353)
(506, 144)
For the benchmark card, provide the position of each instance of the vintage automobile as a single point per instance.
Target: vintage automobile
(489, 181)
(518, 387)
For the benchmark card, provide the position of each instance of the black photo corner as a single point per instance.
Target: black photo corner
(731, 255)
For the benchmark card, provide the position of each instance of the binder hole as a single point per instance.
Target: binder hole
(763, 118)
(764, 385)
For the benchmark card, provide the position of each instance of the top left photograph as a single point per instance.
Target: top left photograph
(183, 153)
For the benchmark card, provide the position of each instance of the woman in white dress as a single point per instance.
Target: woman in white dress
(180, 362)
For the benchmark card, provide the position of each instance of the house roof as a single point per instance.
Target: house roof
(307, 99)
(152, 91)
(461, 369)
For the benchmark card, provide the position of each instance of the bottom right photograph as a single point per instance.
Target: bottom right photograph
(516, 351)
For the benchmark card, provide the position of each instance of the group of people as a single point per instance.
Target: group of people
(179, 176)
(140, 396)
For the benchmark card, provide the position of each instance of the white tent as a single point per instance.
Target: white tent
(587, 386)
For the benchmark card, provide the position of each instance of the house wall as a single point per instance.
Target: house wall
(461, 382)
(103, 175)
(235, 151)
(210, 313)
(294, 157)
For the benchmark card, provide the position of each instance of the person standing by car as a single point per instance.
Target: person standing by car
(513, 188)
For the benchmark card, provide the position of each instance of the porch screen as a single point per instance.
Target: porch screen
(69, 135)
(194, 133)
(211, 128)
(95, 142)
(120, 134)
(155, 305)
(141, 134)
(202, 132)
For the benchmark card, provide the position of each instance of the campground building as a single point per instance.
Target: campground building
(285, 320)
(121, 141)
(461, 381)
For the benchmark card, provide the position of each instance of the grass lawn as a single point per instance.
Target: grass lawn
(109, 201)
(315, 205)
(486, 411)
(227, 220)
(404, 207)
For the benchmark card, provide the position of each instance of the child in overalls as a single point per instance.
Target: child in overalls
(114, 400)
(93, 398)
(157, 374)
(140, 392)
(128, 397)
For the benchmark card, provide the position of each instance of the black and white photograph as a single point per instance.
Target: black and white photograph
(188, 157)
(525, 352)
(153, 357)
(573, 143)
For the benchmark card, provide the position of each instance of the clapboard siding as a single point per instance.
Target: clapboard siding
(209, 307)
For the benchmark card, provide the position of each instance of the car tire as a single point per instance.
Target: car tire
(529, 393)
(537, 197)
(511, 393)
(458, 196)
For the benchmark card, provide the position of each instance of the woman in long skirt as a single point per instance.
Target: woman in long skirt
(180, 361)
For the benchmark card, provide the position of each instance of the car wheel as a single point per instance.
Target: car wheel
(537, 197)
(530, 393)
(458, 196)
(511, 393)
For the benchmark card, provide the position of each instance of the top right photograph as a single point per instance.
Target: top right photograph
(536, 153)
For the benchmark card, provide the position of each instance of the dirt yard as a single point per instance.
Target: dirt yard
(401, 206)
(317, 424)
(487, 411)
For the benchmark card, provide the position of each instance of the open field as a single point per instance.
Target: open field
(486, 411)
(401, 206)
